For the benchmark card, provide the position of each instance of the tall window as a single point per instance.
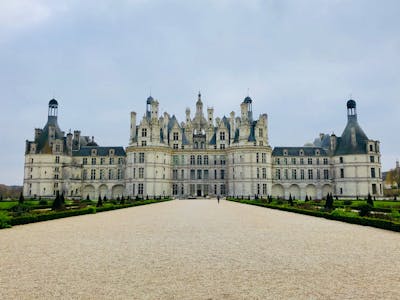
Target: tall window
(258, 173)
(302, 161)
(293, 160)
(93, 160)
(192, 174)
(57, 159)
(101, 174)
(257, 157)
(310, 161)
(120, 160)
(199, 160)
(264, 173)
(144, 132)
(192, 160)
(222, 135)
(310, 174)
(278, 174)
(372, 159)
(84, 161)
(111, 174)
(111, 160)
(223, 190)
(294, 174)
(264, 157)
(205, 174)
(102, 161)
(93, 174)
(222, 146)
(141, 172)
(260, 132)
(341, 159)
(119, 174)
(373, 173)
(325, 161)
(141, 157)
(206, 159)
(198, 174)
(326, 174)
(140, 188)
(175, 136)
(174, 189)
(302, 174)
(341, 173)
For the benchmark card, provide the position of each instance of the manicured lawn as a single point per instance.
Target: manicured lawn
(386, 216)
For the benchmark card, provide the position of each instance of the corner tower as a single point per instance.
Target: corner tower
(356, 160)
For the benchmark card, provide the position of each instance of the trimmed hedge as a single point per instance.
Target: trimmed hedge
(74, 212)
(378, 223)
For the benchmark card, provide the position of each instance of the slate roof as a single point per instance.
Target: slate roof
(295, 151)
(344, 143)
(101, 151)
(43, 140)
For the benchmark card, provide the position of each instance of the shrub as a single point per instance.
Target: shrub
(92, 210)
(347, 202)
(4, 220)
(21, 199)
(58, 203)
(42, 202)
(99, 202)
(370, 202)
(365, 210)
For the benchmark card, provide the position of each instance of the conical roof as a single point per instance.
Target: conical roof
(346, 144)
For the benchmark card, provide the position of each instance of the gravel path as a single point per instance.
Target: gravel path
(198, 250)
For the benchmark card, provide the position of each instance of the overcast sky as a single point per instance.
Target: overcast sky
(300, 60)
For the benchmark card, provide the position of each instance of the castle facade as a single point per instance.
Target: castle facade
(201, 156)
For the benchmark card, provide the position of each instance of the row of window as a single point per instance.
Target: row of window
(101, 175)
(301, 161)
(284, 174)
(102, 161)
(138, 157)
(373, 173)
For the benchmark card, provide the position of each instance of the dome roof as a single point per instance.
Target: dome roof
(351, 104)
(247, 100)
(53, 102)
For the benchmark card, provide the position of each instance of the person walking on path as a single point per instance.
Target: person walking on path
(218, 199)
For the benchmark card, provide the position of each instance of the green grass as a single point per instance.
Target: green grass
(7, 205)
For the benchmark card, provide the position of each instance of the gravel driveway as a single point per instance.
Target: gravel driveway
(198, 249)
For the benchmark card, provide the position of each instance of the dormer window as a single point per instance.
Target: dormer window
(317, 152)
(222, 135)
(144, 132)
(176, 136)
(285, 152)
(111, 152)
(301, 152)
(94, 152)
